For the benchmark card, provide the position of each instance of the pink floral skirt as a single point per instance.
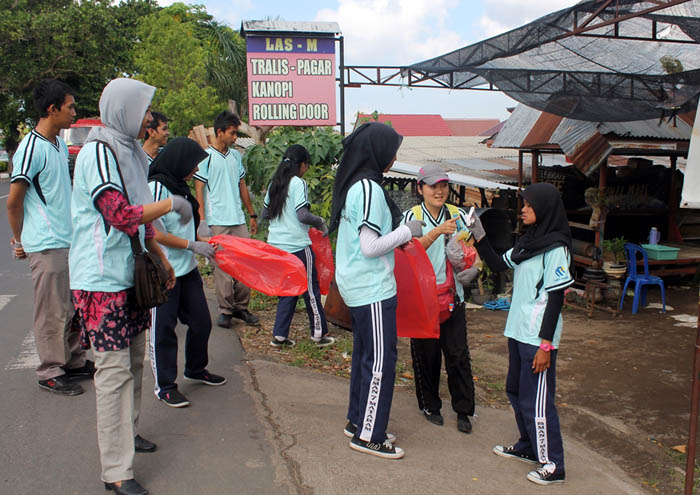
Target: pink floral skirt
(108, 321)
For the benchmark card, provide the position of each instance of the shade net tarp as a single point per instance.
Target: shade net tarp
(637, 68)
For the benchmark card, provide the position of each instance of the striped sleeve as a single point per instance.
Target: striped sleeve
(104, 174)
(371, 207)
(241, 168)
(507, 260)
(24, 162)
(202, 174)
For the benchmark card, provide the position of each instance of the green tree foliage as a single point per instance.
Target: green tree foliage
(171, 57)
(226, 65)
(84, 43)
(325, 147)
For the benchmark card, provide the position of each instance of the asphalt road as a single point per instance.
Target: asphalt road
(48, 443)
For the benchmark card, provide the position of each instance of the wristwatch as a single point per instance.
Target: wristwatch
(546, 347)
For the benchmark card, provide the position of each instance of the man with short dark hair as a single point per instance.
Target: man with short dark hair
(222, 174)
(38, 210)
(157, 134)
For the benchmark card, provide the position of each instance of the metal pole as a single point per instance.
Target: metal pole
(342, 86)
(694, 406)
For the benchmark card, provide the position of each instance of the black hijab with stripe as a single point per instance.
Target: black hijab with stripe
(551, 228)
(367, 152)
(175, 162)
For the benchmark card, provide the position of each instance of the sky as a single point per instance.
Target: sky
(401, 32)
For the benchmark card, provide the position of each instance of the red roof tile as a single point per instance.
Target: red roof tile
(470, 127)
(414, 124)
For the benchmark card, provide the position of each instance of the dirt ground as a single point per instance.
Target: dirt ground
(624, 382)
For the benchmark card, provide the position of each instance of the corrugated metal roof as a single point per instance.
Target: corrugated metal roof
(470, 127)
(541, 132)
(649, 129)
(517, 127)
(455, 178)
(412, 124)
(419, 149)
(302, 27)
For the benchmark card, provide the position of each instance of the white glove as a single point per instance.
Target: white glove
(182, 207)
(476, 228)
(201, 248)
(204, 230)
(465, 277)
(416, 227)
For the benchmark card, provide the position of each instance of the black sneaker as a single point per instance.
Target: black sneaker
(350, 430)
(387, 450)
(324, 341)
(282, 344)
(246, 316)
(224, 321)
(174, 398)
(463, 423)
(515, 454)
(61, 385)
(207, 378)
(143, 445)
(85, 371)
(434, 417)
(544, 476)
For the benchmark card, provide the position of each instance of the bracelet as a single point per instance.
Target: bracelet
(253, 216)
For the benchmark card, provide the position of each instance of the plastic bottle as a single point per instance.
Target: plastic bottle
(654, 236)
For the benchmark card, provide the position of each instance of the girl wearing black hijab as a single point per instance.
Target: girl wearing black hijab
(540, 259)
(369, 229)
(168, 175)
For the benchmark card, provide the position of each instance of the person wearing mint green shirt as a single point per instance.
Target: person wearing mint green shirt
(540, 260)
(168, 175)
(39, 212)
(222, 192)
(369, 228)
(286, 205)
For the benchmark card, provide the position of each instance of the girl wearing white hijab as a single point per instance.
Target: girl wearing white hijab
(110, 167)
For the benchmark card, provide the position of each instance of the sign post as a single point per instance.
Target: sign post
(291, 80)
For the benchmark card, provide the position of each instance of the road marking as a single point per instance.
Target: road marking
(27, 357)
(4, 299)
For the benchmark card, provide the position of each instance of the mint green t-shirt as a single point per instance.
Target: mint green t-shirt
(533, 280)
(221, 173)
(43, 166)
(362, 280)
(286, 231)
(182, 260)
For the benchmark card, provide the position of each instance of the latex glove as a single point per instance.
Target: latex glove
(416, 227)
(183, 208)
(323, 228)
(465, 277)
(455, 254)
(476, 228)
(201, 248)
(204, 230)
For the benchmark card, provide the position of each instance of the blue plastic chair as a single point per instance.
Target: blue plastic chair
(640, 280)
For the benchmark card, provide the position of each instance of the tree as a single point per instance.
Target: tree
(325, 147)
(171, 57)
(84, 43)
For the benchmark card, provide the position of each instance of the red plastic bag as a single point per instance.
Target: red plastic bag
(260, 266)
(323, 254)
(418, 309)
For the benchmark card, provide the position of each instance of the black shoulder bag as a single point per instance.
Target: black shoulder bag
(150, 277)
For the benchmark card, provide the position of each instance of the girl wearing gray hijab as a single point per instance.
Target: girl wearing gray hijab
(110, 167)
